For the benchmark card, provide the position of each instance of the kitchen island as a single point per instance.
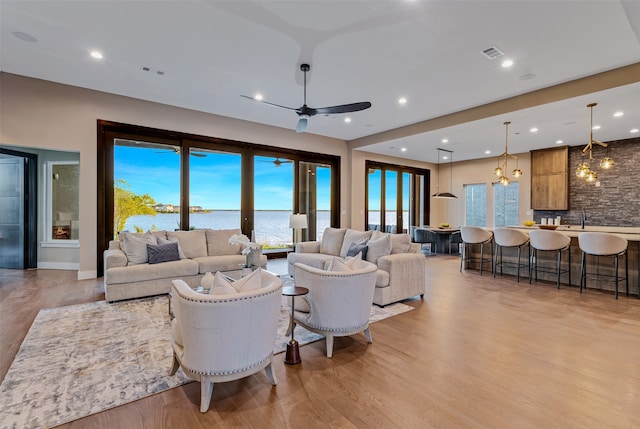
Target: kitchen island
(631, 234)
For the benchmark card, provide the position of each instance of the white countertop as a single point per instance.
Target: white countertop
(631, 233)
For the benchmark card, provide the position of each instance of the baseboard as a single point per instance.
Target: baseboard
(58, 266)
(85, 275)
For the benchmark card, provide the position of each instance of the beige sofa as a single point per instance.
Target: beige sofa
(128, 273)
(401, 265)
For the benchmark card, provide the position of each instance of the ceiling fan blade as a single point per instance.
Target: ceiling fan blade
(271, 104)
(343, 108)
(302, 125)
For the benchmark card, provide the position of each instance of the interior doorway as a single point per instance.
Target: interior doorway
(18, 209)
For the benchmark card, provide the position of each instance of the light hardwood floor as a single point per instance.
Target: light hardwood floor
(476, 353)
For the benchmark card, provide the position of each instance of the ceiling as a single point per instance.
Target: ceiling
(204, 54)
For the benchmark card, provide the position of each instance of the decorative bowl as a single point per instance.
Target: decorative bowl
(551, 227)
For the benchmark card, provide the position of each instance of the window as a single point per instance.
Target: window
(400, 193)
(506, 204)
(62, 201)
(173, 180)
(475, 205)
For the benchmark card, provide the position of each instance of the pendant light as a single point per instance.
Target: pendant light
(584, 170)
(446, 195)
(502, 168)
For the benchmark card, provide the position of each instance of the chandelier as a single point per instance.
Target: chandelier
(503, 161)
(584, 170)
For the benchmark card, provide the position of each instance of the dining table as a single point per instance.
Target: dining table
(443, 243)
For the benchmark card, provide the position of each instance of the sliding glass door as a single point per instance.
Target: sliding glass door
(400, 193)
(315, 198)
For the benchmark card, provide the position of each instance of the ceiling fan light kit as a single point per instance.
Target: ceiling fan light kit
(584, 170)
(305, 112)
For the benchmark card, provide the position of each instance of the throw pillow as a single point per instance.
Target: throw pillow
(400, 243)
(162, 240)
(222, 285)
(332, 241)
(378, 248)
(163, 253)
(337, 265)
(355, 262)
(351, 236)
(358, 247)
(135, 247)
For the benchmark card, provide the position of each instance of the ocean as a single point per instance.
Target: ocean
(271, 227)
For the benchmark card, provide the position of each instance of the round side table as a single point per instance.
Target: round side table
(293, 351)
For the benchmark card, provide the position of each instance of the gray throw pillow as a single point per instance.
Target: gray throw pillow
(332, 241)
(359, 246)
(163, 253)
(162, 240)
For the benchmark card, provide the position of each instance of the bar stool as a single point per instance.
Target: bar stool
(509, 238)
(475, 235)
(549, 241)
(603, 244)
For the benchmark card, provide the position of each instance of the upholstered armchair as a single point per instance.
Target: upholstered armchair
(218, 338)
(338, 303)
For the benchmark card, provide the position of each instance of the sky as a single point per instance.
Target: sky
(215, 179)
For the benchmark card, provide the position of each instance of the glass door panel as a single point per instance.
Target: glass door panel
(314, 199)
(273, 201)
(391, 201)
(11, 212)
(374, 192)
(215, 182)
(146, 186)
(407, 198)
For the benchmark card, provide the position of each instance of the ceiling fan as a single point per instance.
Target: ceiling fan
(305, 112)
(278, 162)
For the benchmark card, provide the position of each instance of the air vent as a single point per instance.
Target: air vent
(492, 52)
(152, 70)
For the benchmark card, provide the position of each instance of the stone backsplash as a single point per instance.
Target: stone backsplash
(616, 200)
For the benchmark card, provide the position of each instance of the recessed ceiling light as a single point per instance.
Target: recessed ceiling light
(559, 142)
(596, 127)
(97, 55)
(527, 76)
(507, 63)
(25, 37)
(633, 131)
(404, 149)
(347, 119)
(618, 114)
(402, 100)
(445, 140)
(533, 130)
(445, 157)
(259, 97)
(487, 152)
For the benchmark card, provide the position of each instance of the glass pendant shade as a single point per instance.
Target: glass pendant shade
(503, 162)
(498, 171)
(517, 172)
(591, 176)
(583, 170)
(606, 163)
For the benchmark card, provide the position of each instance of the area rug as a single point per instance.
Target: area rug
(83, 359)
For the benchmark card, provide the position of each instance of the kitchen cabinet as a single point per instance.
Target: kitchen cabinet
(550, 179)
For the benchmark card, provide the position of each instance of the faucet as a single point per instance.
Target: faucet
(584, 218)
